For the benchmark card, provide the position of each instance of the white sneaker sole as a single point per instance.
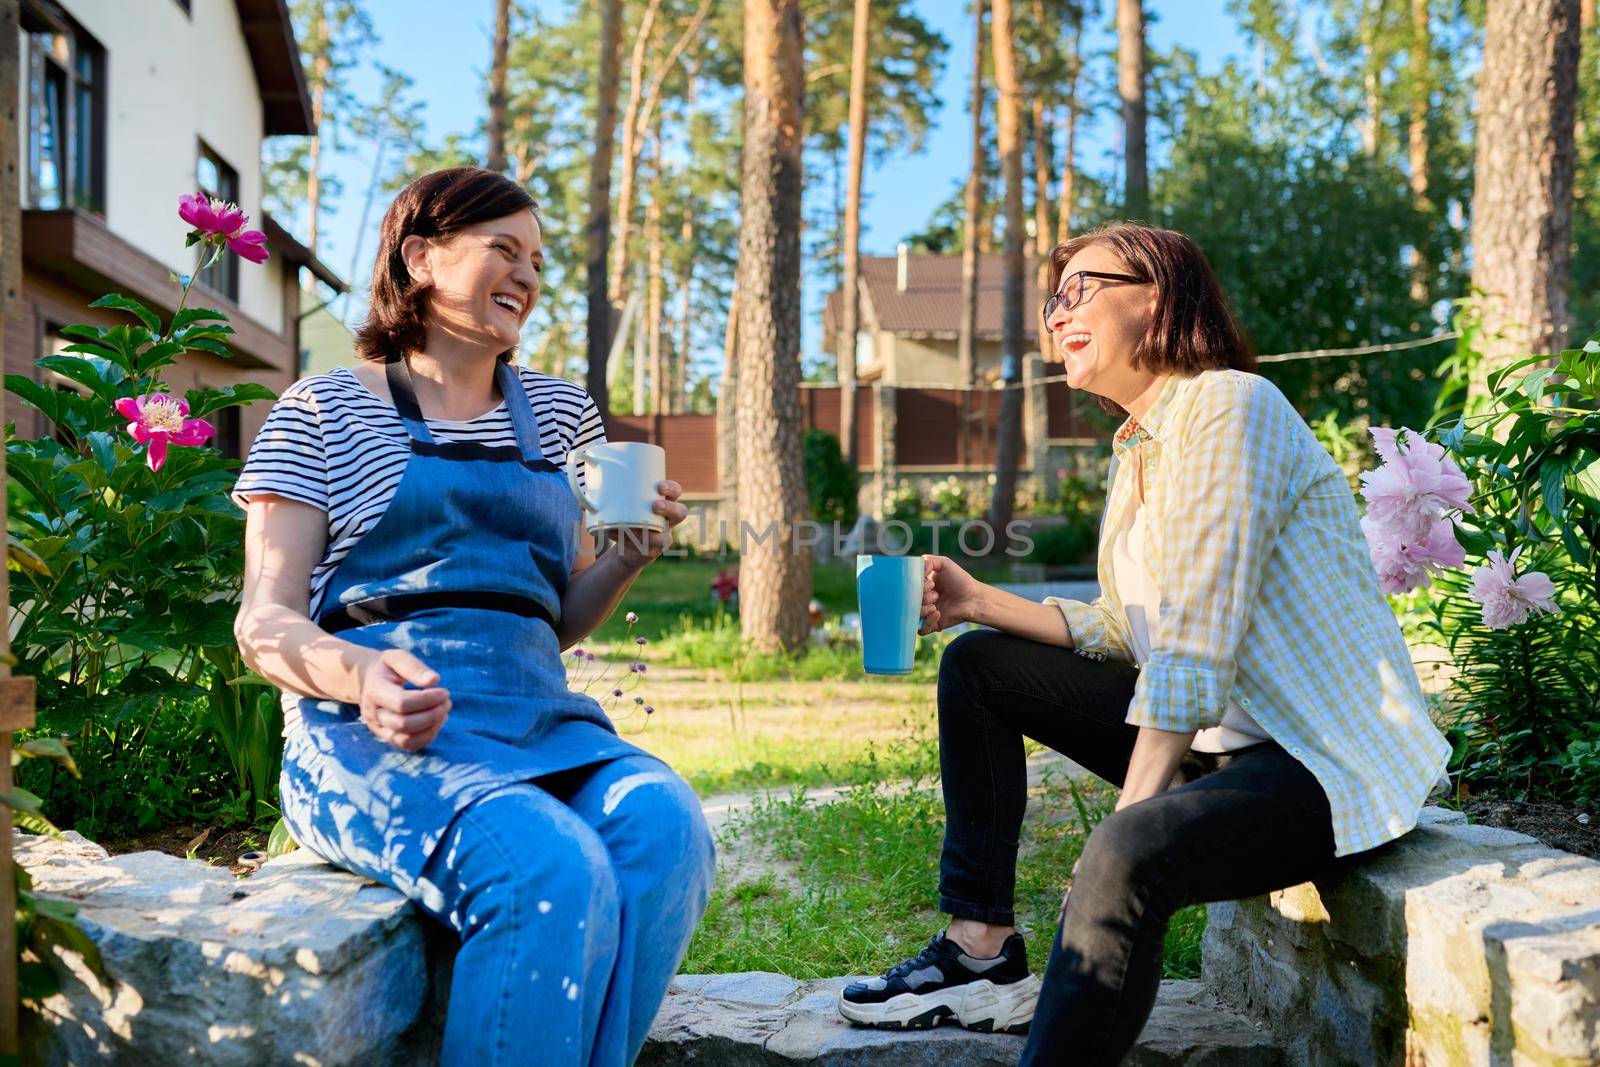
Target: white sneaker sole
(982, 1006)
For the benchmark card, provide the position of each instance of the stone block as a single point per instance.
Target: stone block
(712, 1021)
(1456, 944)
(300, 963)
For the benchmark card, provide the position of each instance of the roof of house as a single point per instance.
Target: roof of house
(269, 35)
(295, 252)
(930, 305)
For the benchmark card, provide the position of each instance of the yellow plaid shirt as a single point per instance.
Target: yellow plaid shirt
(1268, 594)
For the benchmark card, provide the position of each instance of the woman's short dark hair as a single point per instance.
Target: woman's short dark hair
(1193, 328)
(436, 205)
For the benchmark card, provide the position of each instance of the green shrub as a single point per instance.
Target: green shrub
(127, 566)
(1066, 545)
(830, 481)
(1525, 699)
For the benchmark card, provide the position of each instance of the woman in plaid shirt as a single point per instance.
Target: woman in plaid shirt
(1241, 677)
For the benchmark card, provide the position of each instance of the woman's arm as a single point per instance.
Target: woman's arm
(597, 585)
(284, 539)
(1019, 616)
(1155, 759)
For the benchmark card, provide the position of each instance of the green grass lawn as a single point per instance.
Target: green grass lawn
(847, 886)
(854, 891)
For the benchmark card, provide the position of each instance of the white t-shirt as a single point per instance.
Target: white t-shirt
(331, 442)
(1141, 597)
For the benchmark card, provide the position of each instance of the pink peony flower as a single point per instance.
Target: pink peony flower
(159, 420)
(1403, 566)
(218, 219)
(212, 216)
(1508, 600)
(251, 245)
(1417, 484)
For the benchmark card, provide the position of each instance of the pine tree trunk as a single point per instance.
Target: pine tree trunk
(1009, 127)
(320, 67)
(852, 232)
(496, 160)
(727, 410)
(967, 335)
(1069, 165)
(774, 575)
(1371, 72)
(1043, 150)
(1130, 86)
(652, 236)
(10, 283)
(1522, 201)
(632, 145)
(1417, 151)
(598, 228)
(680, 354)
(644, 93)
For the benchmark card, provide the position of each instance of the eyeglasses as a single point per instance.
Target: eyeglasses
(1070, 295)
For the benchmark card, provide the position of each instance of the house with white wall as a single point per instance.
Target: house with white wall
(124, 106)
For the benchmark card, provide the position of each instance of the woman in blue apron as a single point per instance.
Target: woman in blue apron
(466, 774)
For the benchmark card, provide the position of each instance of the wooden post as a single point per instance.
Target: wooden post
(16, 694)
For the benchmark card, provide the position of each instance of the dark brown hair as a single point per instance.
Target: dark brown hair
(1193, 328)
(436, 205)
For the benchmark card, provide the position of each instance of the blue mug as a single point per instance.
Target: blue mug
(889, 592)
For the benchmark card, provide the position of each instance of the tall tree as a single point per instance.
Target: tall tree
(1131, 88)
(598, 230)
(775, 574)
(10, 281)
(657, 268)
(1043, 153)
(1421, 76)
(496, 155)
(646, 80)
(967, 337)
(333, 36)
(1522, 204)
(1009, 129)
(852, 231)
(1069, 165)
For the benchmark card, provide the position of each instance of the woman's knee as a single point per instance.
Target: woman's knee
(965, 660)
(523, 860)
(650, 816)
(1121, 861)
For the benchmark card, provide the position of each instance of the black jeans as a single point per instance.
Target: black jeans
(1233, 826)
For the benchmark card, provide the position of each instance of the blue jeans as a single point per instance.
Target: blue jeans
(575, 897)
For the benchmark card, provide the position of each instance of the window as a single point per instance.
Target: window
(66, 114)
(221, 182)
(230, 438)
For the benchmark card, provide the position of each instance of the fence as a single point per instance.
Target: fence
(927, 428)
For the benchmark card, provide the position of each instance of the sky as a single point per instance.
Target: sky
(899, 194)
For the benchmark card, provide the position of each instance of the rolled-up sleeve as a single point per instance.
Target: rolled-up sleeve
(1226, 480)
(1095, 628)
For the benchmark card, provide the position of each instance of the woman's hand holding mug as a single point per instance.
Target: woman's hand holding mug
(637, 546)
(408, 719)
(950, 596)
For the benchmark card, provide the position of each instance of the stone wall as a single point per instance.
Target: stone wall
(1457, 944)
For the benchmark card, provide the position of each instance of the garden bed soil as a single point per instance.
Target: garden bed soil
(219, 846)
(1555, 825)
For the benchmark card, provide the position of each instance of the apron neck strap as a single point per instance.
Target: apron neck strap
(405, 399)
(523, 420)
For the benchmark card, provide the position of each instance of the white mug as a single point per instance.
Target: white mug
(622, 477)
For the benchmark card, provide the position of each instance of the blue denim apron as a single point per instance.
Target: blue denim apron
(465, 570)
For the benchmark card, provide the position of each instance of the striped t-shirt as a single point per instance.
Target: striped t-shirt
(331, 442)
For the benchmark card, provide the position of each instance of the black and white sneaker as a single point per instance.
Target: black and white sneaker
(943, 982)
